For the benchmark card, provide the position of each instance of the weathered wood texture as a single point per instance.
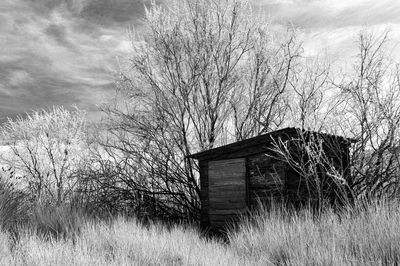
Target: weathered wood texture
(271, 179)
(226, 191)
(204, 219)
(266, 179)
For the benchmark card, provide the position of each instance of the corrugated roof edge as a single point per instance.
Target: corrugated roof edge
(250, 140)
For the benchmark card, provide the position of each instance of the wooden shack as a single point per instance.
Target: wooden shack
(237, 177)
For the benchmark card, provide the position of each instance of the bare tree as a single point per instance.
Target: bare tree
(366, 108)
(45, 149)
(310, 91)
(370, 101)
(259, 103)
(202, 73)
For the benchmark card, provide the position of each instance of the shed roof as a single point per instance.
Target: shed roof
(259, 140)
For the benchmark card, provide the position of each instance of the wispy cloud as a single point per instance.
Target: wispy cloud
(61, 51)
(332, 26)
(64, 51)
(311, 14)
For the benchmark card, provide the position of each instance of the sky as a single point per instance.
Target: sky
(66, 52)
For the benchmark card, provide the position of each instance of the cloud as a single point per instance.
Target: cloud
(104, 12)
(331, 26)
(59, 34)
(65, 51)
(20, 77)
(61, 51)
(332, 14)
(100, 12)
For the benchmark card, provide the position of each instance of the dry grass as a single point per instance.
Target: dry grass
(63, 236)
(369, 236)
(121, 242)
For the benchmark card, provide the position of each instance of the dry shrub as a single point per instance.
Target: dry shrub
(46, 149)
(13, 206)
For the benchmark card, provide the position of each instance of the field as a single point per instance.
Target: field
(62, 236)
(157, 82)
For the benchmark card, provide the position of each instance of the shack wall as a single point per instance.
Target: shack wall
(227, 190)
(204, 194)
(248, 175)
(266, 178)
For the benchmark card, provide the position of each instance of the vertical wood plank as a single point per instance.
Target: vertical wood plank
(227, 192)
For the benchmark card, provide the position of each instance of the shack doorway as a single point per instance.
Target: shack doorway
(227, 190)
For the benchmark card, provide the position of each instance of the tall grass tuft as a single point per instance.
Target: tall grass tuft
(57, 221)
(360, 236)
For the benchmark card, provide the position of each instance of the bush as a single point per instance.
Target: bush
(14, 207)
(46, 148)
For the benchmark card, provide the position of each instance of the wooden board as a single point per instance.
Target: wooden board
(226, 190)
(267, 177)
(204, 219)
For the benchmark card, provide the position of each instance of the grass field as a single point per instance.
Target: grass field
(368, 237)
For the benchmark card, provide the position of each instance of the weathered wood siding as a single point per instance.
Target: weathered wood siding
(204, 219)
(266, 177)
(226, 190)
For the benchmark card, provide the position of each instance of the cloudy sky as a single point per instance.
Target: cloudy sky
(64, 52)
